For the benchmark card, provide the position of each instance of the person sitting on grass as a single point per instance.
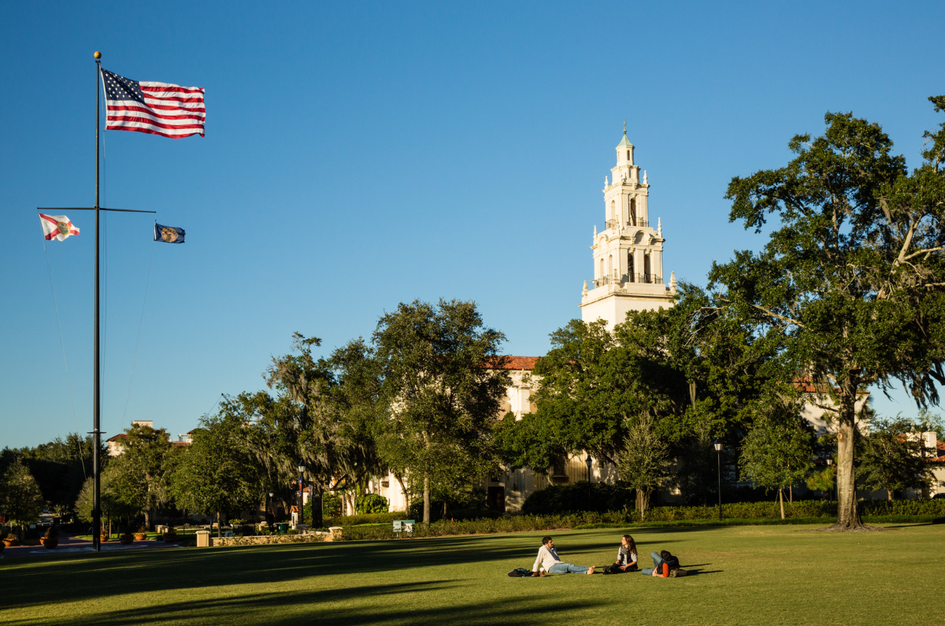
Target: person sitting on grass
(549, 562)
(626, 557)
(665, 565)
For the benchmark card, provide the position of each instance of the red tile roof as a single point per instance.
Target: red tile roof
(806, 384)
(517, 363)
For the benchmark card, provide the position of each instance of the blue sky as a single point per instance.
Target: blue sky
(358, 155)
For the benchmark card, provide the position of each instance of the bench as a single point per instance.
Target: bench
(403, 527)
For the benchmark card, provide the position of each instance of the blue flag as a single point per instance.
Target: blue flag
(168, 234)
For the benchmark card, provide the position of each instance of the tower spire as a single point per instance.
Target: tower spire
(628, 253)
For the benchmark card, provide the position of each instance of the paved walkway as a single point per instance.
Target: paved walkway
(71, 545)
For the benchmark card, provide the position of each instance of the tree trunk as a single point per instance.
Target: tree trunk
(889, 494)
(643, 502)
(317, 504)
(426, 500)
(781, 500)
(848, 518)
(219, 524)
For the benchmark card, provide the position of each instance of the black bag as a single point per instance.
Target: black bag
(670, 560)
(520, 572)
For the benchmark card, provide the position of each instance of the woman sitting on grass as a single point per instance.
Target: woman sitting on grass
(626, 557)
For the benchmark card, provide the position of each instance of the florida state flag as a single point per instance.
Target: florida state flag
(57, 227)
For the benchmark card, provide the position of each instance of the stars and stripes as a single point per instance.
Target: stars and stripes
(57, 227)
(150, 107)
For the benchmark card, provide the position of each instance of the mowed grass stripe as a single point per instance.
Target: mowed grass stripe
(743, 575)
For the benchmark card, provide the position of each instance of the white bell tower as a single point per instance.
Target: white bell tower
(628, 253)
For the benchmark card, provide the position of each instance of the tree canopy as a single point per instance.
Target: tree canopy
(692, 373)
(894, 456)
(851, 278)
(20, 497)
(778, 451)
(217, 473)
(442, 381)
(139, 478)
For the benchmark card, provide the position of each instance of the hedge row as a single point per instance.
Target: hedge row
(366, 518)
(808, 511)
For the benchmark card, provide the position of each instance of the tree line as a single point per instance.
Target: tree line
(848, 292)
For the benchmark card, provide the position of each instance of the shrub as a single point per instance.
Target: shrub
(371, 503)
(332, 505)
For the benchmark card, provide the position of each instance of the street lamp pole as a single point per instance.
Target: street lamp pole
(829, 463)
(718, 454)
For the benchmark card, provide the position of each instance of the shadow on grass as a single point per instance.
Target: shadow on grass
(319, 607)
(84, 576)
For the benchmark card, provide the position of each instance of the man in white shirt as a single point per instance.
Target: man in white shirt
(549, 562)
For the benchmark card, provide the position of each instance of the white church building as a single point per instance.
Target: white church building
(628, 276)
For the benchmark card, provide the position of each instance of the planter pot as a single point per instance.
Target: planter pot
(103, 538)
(141, 536)
(10, 542)
(126, 539)
(49, 542)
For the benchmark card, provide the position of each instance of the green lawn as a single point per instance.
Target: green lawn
(744, 575)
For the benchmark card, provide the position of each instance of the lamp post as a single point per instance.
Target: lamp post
(829, 463)
(270, 511)
(718, 454)
(301, 469)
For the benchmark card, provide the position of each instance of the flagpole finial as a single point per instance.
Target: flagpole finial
(97, 55)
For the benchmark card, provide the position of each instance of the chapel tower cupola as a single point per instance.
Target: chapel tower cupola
(628, 253)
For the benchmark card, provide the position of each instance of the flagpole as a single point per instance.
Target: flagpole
(96, 400)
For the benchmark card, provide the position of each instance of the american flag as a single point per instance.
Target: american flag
(150, 107)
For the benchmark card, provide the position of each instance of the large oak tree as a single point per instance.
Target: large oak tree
(852, 276)
(442, 384)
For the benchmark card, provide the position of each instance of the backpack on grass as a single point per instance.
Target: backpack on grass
(520, 572)
(670, 567)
